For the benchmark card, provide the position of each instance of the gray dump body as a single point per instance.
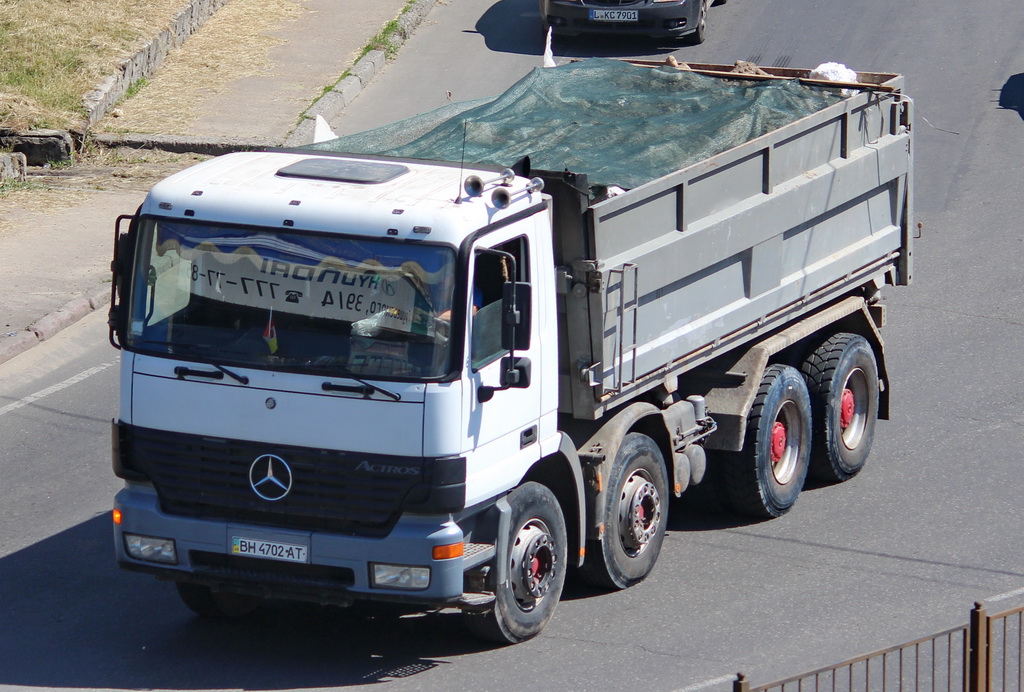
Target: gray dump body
(670, 274)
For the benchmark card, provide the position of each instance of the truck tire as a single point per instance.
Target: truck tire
(842, 376)
(766, 477)
(215, 605)
(536, 563)
(635, 517)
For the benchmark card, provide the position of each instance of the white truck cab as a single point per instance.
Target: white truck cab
(314, 369)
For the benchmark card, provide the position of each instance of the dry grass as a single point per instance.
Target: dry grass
(34, 196)
(234, 44)
(54, 51)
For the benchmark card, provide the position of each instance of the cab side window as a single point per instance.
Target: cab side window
(490, 274)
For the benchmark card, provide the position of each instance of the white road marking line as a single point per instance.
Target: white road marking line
(14, 406)
(708, 683)
(1004, 596)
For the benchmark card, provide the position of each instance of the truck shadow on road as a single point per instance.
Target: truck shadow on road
(1011, 96)
(76, 621)
(704, 508)
(73, 620)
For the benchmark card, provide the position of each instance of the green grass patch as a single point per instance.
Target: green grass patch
(9, 186)
(382, 41)
(135, 88)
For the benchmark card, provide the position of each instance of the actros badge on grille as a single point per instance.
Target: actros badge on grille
(270, 477)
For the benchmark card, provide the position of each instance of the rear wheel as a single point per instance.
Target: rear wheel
(215, 605)
(766, 477)
(536, 562)
(635, 516)
(842, 376)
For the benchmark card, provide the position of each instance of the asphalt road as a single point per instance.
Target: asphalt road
(903, 550)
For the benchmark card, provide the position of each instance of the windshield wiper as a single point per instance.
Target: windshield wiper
(366, 390)
(241, 379)
(182, 371)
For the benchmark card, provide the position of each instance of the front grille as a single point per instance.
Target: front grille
(611, 3)
(197, 476)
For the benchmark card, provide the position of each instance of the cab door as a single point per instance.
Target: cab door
(503, 416)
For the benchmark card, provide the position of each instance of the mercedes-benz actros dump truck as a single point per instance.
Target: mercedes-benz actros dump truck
(441, 380)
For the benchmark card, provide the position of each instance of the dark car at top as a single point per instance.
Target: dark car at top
(684, 19)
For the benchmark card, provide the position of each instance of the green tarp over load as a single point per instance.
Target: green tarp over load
(621, 124)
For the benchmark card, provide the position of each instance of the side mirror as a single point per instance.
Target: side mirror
(515, 374)
(120, 268)
(516, 304)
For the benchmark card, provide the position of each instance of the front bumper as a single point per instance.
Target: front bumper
(656, 20)
(339, 566)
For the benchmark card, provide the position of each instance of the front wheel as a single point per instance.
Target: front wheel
(765, 478)
(635, 516)
(535, 560)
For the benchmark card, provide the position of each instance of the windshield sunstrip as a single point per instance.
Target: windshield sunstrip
(295, 300)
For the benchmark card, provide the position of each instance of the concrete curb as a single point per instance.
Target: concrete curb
(52, 324)
(16, 345)
(213, 146)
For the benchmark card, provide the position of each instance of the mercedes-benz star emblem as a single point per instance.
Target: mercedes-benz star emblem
(270, 477)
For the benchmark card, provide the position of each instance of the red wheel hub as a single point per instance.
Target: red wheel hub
(778, 441)
(846, 409)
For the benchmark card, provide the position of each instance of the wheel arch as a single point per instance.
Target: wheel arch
(598, 454)
(562, 474)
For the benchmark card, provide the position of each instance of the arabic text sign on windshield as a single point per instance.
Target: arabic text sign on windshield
(301, 275)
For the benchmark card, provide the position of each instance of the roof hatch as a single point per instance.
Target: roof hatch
(344, 170)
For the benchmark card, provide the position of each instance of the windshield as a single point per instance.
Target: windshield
(287, 299)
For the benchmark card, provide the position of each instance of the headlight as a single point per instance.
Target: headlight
(151, 549)
(400, 576)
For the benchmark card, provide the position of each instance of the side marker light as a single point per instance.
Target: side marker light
(447, 552)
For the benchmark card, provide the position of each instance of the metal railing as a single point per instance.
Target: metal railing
(986, 655)
(1005, 649)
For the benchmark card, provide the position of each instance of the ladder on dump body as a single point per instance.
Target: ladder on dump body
(627, 324)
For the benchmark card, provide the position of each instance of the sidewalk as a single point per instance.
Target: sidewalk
(56, 243)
